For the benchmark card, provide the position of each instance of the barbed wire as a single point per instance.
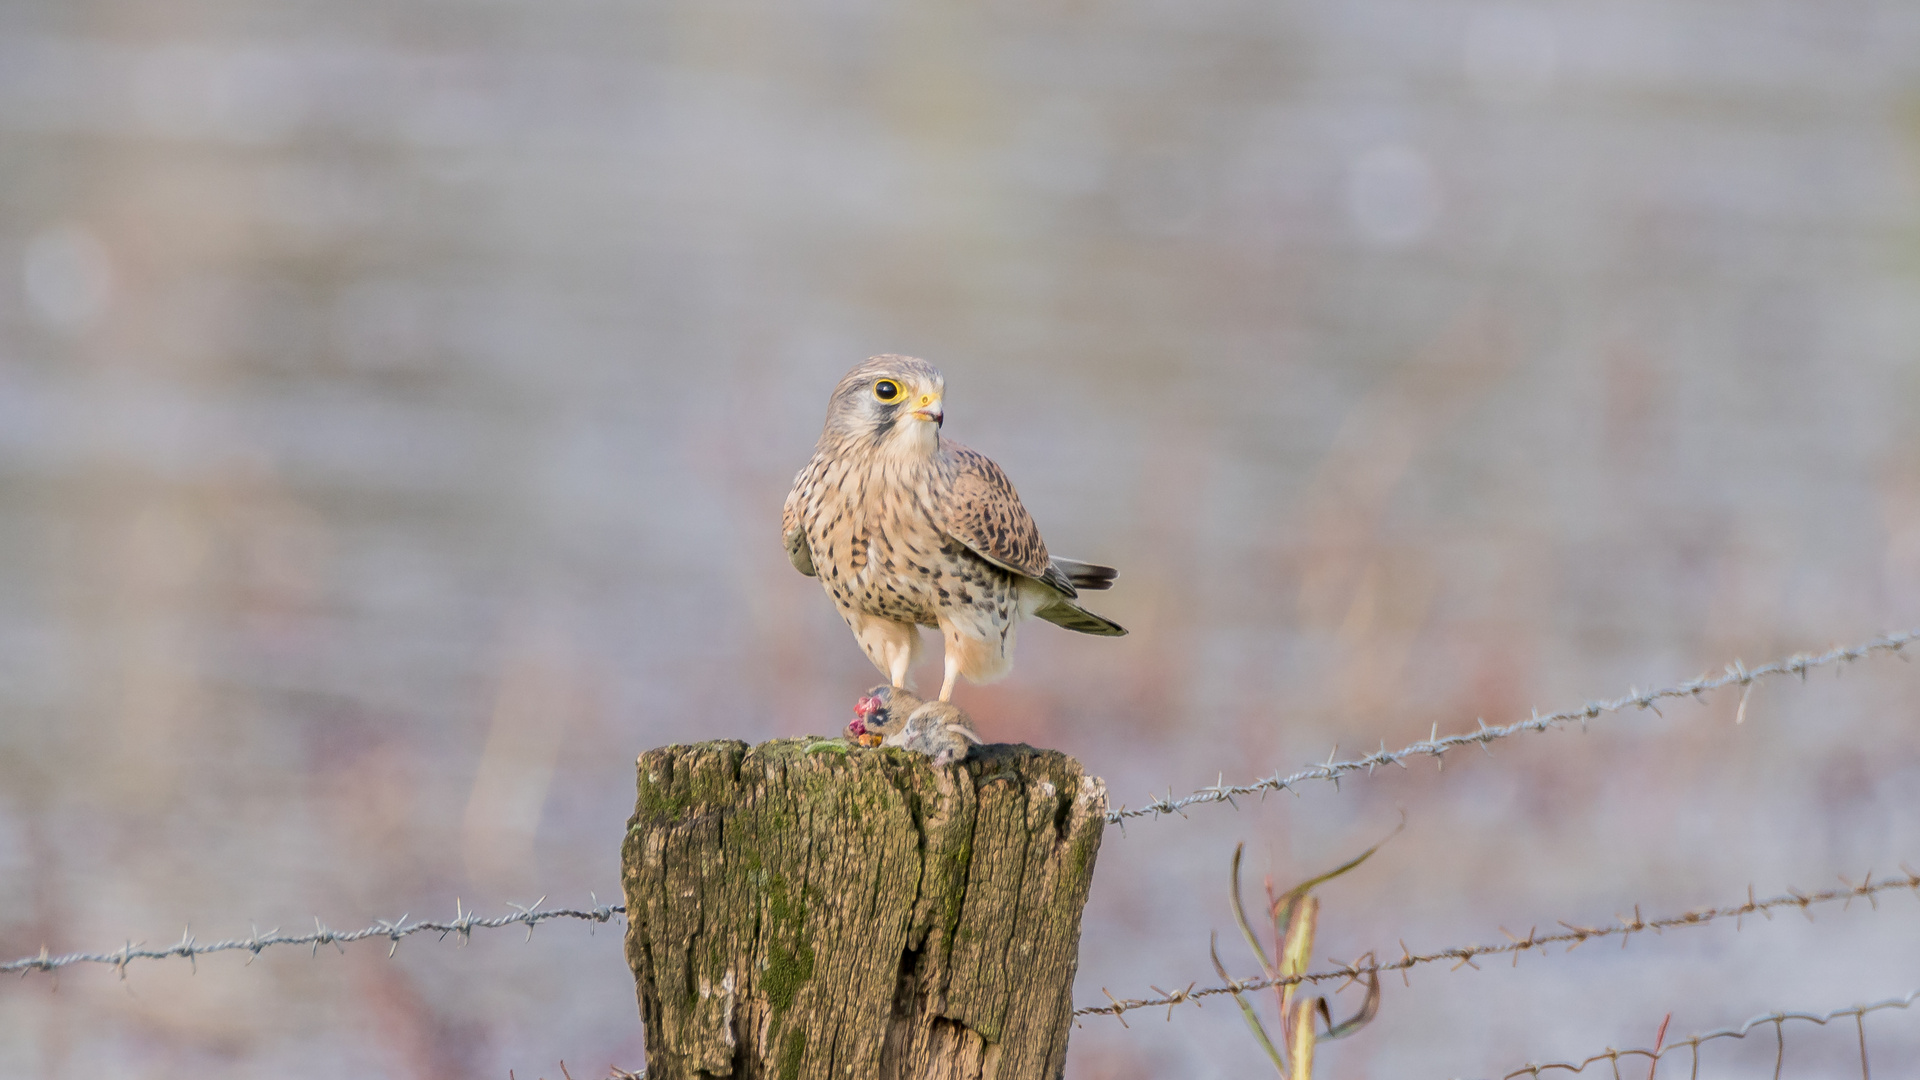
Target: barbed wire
(1777, 1019)
(1436, 746)
(614, 1072)
(464, 923)
(1573, 936)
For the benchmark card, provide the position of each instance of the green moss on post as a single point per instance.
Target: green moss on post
(801, 914)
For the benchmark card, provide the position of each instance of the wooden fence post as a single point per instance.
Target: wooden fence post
(800, 910)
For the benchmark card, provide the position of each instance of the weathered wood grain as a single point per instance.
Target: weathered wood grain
(801, 909)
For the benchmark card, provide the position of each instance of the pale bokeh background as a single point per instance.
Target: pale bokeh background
(396, 403)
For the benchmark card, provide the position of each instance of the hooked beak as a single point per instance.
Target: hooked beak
(930, 410)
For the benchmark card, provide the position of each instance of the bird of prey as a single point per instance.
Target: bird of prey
(907, 529)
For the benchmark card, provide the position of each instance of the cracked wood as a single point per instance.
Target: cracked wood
(801, 910)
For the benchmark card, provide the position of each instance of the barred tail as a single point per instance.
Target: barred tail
(1064, 612)
(1085, 575)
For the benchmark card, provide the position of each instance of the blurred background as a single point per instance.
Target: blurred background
(396, 404)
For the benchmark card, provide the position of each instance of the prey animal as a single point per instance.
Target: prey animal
(905, 529)
(890, 716)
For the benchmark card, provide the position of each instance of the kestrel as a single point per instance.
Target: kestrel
(906, 529)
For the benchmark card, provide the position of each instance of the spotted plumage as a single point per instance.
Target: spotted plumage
(907, 529)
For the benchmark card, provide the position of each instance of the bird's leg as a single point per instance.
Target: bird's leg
(953, 676)
(892, 646)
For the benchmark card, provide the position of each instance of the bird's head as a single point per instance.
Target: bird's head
(895, 402)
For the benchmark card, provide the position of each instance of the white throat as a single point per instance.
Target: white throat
(913, 438)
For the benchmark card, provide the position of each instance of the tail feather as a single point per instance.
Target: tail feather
(1066, 613)
(1085, 575)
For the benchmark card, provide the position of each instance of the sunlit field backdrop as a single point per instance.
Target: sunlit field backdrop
(396, 403)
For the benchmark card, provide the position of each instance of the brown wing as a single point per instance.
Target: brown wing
(798, 553)
(982, 511)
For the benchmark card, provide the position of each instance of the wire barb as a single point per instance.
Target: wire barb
(1692, 1043)
(463, 924)
(1437, 745)
(1573, 937)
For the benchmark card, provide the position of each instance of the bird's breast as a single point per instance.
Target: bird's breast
(880, 549)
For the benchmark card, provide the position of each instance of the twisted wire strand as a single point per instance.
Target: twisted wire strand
(1572, 936)
(463, 924)
(1436, 746)
(614, 1072)
(1778, 1019)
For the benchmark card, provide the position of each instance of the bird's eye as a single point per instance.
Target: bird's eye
(886, 390)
